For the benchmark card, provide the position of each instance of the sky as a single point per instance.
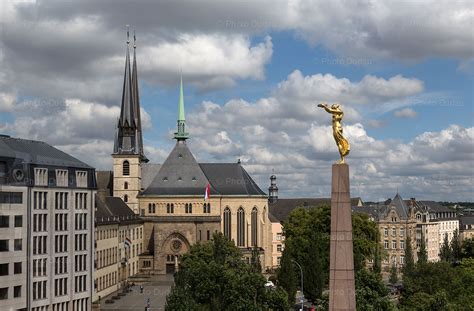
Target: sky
(253, 73)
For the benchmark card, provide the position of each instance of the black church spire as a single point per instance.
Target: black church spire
(129, 137)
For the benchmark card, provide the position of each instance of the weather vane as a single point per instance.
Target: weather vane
(341, 142)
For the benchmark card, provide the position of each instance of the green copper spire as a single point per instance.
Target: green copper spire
(181, 133)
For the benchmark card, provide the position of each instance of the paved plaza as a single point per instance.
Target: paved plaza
(155, 290)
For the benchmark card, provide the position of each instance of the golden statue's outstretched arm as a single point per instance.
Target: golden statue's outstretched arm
(330, 110)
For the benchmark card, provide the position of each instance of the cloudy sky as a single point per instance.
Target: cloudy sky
(254, 72)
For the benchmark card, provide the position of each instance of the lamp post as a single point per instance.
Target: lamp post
(302, 293)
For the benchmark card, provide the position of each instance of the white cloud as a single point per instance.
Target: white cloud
(271, 134)
(7, 102)
(212, 58)
(405, 113)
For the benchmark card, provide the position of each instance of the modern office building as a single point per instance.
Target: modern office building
(47, 213)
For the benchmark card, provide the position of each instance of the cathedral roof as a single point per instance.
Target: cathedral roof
(180, 174)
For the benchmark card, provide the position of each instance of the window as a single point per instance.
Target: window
(3, 293)
(394, 231)
(278, 260)
(61, 178)
(206, 208)
(385, 244)
(18, 221)
(394, 244)
(279, 248)
(402, 231)
(18, 244)
(41, 177)
(279, 236)
(385, 231)
(254, 226)
(240, 227)
(190, 208)
(3, 269)
(3, 245)
(402, 244)
(394, 259)
(126, 168)
(168, 208)
(4, 221)
(227, 223)
(402, 260)
(125, 198)
(17, 268)
(17, 291)
(125, 185)
(11, 197)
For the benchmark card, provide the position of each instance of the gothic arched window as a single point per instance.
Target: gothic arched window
(168, 208)
(241, 227)
(126, 168)
(125, 185)
(227, 223)
(190, 210)
(172, 208)
(154, 208)
(125, 198)
(206, 208)
(254, 225)
(186, 208)
(149, 208)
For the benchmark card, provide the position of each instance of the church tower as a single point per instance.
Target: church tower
(272, 190)
(128, 152)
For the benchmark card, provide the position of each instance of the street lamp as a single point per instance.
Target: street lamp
(302, 293)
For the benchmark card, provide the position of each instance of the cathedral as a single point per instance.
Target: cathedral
(182, 201)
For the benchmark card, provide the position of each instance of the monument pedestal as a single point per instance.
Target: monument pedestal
(341, 266)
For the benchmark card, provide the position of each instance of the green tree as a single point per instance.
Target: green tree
(422, 253)
(371, 292)
(307, 233)
(255, 260)
(439, 286)
(213, 276)
(409, 261)
(377, 265)
(286, 277)
(393, 274)
(455, 247)
(445, 251)
(467, 250)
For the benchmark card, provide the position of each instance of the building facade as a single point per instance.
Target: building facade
(55, 241)
(119, 242)
(170, 198)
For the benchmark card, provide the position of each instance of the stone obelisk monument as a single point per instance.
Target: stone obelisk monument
(341, 257)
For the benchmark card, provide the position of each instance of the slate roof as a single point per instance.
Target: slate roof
(180, 174)
(114, 210)
(230, 179)
(400, 206)
(149, 171)
(283, 207)
(105, 183)
(37, 152)
(436, 207)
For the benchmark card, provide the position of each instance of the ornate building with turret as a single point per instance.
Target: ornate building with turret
(170, 197)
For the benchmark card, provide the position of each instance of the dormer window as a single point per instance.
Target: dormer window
(179, 179)
(165, 178)
(81, 179)
(61, 178)
(41, 177)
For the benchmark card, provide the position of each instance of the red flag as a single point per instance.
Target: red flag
(207, 192)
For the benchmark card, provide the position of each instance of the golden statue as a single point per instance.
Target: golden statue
(341, 142)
